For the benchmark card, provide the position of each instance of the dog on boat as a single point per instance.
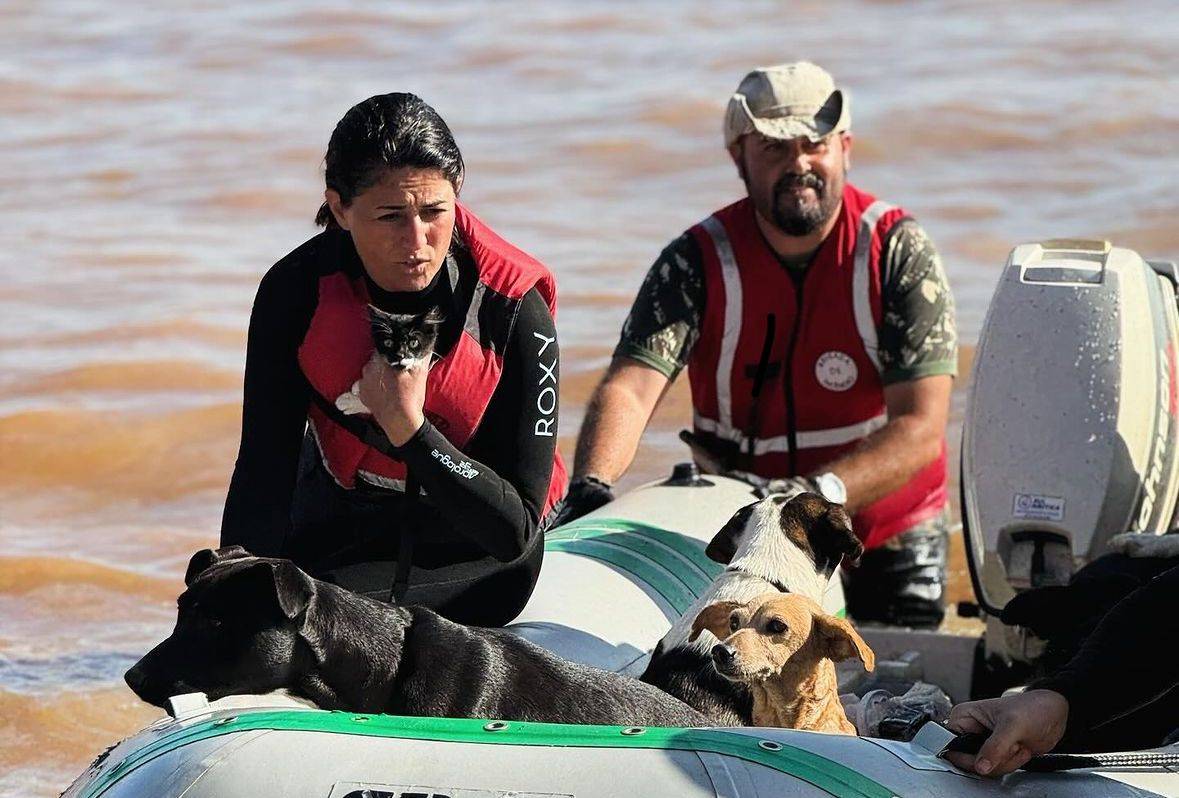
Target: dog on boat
(253, 625)
(784, 647)
(791, 544)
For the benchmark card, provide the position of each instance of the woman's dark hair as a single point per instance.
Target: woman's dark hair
(388, 131)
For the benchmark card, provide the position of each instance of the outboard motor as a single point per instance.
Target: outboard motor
(1071, 431)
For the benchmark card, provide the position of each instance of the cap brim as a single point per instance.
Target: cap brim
(831, 117)
(790, 127)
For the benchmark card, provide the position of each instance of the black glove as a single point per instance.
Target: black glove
(585, 494)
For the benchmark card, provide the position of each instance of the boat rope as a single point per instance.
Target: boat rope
(1050, 763)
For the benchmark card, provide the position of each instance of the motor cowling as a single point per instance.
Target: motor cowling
(1071, 431)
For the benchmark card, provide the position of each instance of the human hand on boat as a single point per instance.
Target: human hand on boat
(791, 486)
(395, 397)
(1021, 725)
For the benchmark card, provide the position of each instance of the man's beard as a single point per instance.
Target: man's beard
(792, 214)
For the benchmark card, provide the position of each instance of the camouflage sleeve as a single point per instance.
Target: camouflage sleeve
(918, 335)
(664, 321)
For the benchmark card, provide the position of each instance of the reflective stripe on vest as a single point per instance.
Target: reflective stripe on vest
(808, 439)
(733, 318)
(862, 280)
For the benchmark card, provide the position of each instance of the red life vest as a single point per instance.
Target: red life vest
(339, 342)
(810, 355)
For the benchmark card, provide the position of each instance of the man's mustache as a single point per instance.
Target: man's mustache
(809, 180)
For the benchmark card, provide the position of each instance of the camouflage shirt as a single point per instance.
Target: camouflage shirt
(917, 335)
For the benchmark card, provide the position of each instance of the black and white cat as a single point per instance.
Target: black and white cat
(403, 340)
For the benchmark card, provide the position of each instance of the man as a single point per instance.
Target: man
(818, 331)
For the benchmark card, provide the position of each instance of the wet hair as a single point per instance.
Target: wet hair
(388, 131)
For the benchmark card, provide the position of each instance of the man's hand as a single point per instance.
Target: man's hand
(791, 486)
(585, 495)
(1022, 725)
(395, 397)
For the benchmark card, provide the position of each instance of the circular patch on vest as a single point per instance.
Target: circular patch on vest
(836, 371)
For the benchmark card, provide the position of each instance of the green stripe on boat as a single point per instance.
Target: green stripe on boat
(832, 777)
(673, 565)
(643, 571)
(673, 547)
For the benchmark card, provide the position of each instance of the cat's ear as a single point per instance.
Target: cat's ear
(376, 314)
(434, 316)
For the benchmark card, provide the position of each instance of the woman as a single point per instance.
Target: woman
(476, 431)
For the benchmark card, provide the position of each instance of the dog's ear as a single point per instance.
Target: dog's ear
(714, 618)
(293, 588)
(205, 559)
(831, 539)
(839, 640)
(723, 545)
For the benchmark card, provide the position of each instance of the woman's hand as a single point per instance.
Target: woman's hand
(1022, 725)
(395, 397)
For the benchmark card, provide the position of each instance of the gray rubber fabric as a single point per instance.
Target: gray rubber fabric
(903, 581)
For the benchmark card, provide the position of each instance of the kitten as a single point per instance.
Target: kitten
(403, 340)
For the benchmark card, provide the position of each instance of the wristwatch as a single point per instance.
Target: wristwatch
(831, 487)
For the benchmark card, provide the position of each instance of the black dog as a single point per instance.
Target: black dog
(252, 625)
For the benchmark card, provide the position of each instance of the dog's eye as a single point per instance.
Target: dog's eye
(734, 622)
(775, 626)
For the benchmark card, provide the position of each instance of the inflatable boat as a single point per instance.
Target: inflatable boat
(615, 580)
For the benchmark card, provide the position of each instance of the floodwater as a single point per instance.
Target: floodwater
(156, 158)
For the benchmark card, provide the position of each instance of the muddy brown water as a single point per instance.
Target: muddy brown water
(158, 158)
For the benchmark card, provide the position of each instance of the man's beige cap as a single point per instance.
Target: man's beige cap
(787, 101)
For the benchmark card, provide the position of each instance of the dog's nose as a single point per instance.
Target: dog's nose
(135, 678)
(722, 654)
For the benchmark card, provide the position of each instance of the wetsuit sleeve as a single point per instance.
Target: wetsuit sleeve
(1121, 666)
(918, 333)
(274, 413)
(494, 494)
(664, 321)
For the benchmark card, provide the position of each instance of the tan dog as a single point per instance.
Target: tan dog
(784, 647)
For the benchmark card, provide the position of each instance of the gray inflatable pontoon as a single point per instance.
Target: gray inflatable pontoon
(612, 584)
(252, 751)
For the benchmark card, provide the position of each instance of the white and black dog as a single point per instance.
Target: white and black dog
(788, 543)
(255, 624)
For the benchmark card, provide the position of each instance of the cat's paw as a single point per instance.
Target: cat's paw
(350, 405)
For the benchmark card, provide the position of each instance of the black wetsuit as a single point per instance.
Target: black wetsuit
(1122, 685)
(477, 542)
